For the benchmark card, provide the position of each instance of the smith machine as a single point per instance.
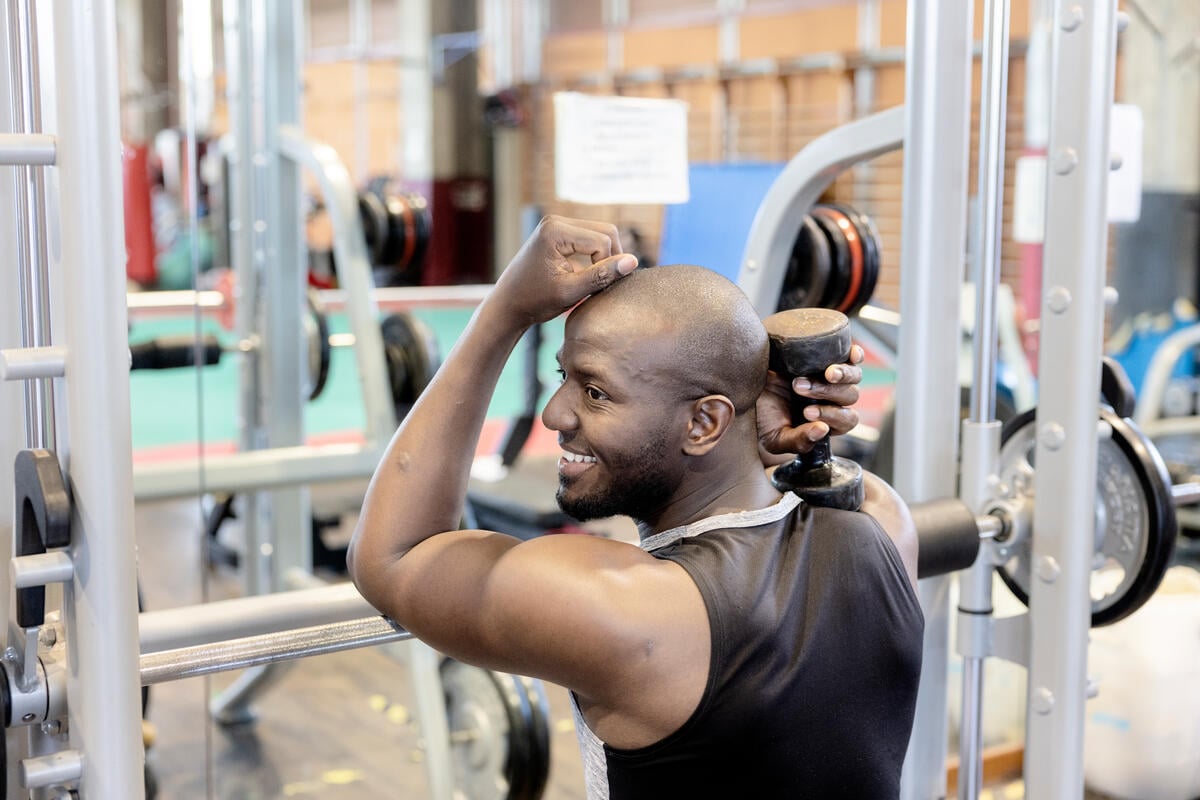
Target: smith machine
(77, 650)
(1095, 554)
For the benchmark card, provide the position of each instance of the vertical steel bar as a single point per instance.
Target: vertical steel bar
(979, 431)
(244, 96)
(360, 38)
(416, 125)
(869, 13)
(1083, 64)
(992, 121)
(278, 536)
(33, 278)
(934, 224)
(284, 361)
(12, 428)
(100, 603)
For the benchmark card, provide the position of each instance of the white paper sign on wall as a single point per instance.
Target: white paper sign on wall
(620, 150)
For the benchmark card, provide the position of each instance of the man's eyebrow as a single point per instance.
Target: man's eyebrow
(558, 357)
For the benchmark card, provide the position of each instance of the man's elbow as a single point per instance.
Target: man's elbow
(362, 568)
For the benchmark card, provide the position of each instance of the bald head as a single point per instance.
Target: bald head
(716, 342)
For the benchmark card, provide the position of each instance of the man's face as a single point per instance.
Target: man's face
(618, 419)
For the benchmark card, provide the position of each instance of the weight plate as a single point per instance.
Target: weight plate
(494, 728)
(872, 253)
(808, 268)
(839, 262)
(1134, 516)
(316, 332)
(854, 246)
(411, 351)
(375, 224)
(1116, 388)
(407, 235)
(424, 231)
(539, 737)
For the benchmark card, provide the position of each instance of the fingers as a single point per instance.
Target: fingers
(598, 240)
(836, 393)
(604, 273)
(795, 440)
(837, 420)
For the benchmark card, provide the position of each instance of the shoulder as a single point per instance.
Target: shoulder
(856, 546)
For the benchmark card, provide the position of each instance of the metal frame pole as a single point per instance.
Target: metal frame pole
(981, 431)
(11, 411)
(30, 207)
(934, 223)
(244, 92)
(354, 273)
(281, 261)
(100, 603)
(1083, 65)
(278, 522)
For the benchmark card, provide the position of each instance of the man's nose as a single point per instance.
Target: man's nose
(557, 415)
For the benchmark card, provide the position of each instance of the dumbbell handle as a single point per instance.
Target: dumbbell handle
(821, 454)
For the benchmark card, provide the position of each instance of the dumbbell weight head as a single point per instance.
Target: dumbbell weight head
(803, 342)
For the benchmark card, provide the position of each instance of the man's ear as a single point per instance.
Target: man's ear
(711, 417)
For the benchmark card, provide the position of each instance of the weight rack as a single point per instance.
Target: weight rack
(71, 333)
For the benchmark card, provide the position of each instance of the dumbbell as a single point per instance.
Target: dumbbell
(804, 341)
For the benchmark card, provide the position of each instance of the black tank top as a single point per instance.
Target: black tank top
(816, 655)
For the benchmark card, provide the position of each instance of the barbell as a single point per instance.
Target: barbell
(411, 353)
(1135, 524)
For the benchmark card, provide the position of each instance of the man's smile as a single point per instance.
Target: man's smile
(572, 465)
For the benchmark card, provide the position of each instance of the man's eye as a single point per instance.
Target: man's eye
(562, 375)
(596, 394)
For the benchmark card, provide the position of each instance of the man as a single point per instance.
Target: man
(752, 646)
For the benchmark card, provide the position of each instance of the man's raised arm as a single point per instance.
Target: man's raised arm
(420, 486)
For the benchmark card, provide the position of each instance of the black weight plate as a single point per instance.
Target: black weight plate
(316, 329)
(1134, 503)
(411, 352)
(1115, 387)
(539, 736)
(424, 229)
(375, 224)
(391, 250)
(839, 272)
(808, 268)
(872, 253)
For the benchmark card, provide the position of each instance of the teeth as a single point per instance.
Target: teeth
(575, 458)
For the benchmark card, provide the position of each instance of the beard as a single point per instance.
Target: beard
(639, 487)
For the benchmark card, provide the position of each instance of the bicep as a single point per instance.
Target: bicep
(563, 608)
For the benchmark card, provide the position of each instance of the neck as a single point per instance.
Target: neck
(704, 494)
